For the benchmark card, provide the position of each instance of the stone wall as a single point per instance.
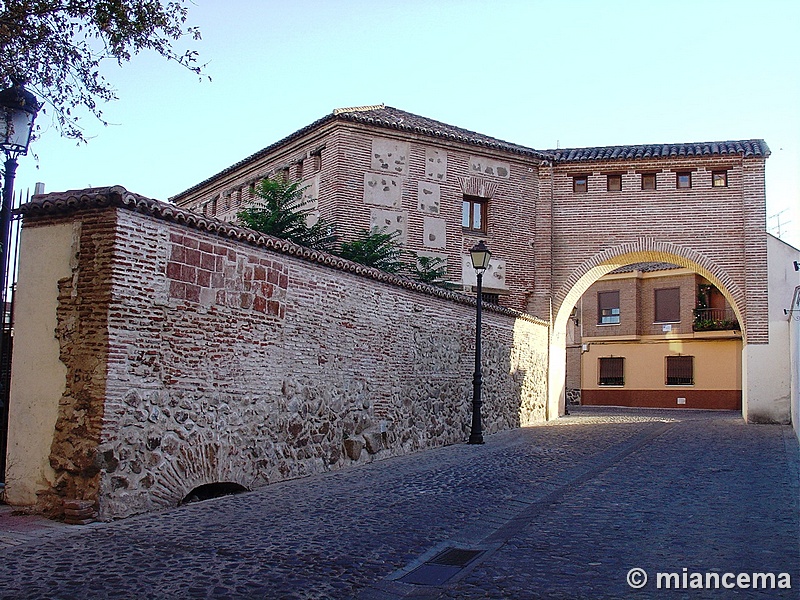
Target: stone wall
(198, 352)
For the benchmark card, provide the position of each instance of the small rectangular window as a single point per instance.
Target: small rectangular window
(614, 183)
(680, 370)
(648, 181)
(580, 183)
(473, 213)
(668, 305)
(316, 160)
(612, 371)
(490, 298)
(608, 308)
(719, 179)
(683, 180)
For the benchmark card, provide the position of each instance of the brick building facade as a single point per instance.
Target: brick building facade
(555, 220)
(656, 335)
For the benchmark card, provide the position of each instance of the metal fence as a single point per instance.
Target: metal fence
(7, 324)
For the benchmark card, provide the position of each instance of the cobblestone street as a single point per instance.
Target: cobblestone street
(564, 510)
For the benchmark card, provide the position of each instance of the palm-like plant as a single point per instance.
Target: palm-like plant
(279, 210)
(375, 248)
(431, 270)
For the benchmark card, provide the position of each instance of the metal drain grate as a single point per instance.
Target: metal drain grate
(442, 567)
(455, 557)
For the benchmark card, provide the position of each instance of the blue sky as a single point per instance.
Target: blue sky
(568, 73)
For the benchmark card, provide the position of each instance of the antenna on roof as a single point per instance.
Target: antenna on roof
(781, 224)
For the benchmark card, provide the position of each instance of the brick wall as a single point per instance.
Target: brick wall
(347, 154)
(717, 231)
(234, 357)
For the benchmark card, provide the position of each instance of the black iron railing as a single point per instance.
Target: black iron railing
(714, 319)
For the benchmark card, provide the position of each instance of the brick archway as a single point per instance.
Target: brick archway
(602, 263)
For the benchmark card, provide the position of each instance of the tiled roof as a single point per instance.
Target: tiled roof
(647, 267)
(747, 148)
(392, 118)
(388, 118)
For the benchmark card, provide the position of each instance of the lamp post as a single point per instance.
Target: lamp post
(480, 261)
(18, 108)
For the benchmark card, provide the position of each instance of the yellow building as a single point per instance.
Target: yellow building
(657, 335)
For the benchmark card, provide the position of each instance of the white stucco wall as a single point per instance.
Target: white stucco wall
(767, 376)
(794, 340)
(38, 376)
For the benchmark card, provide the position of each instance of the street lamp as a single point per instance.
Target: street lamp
(480, 261)
(18, 108)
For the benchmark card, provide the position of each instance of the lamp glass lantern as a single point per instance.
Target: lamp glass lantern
(480, 256)
(18, 108)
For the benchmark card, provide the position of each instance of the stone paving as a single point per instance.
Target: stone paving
(564, 510)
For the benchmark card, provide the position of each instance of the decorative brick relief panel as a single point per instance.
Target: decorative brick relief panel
(436, 164)
(310, 197)
(428, 197)
(434, 233)
(486, 166)
(383, 190)
(494, 277)
(389, 221)
(389, 156)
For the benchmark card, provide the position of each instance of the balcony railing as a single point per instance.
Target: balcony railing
(714, 319)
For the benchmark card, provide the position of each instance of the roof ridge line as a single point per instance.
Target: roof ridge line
(338, 111)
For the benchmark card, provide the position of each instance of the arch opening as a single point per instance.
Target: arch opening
(212, 490)
(589, 273)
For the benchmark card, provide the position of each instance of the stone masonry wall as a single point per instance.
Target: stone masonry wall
(233, 362)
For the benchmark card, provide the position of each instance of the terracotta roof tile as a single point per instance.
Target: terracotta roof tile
(747, 148)
(646, 267)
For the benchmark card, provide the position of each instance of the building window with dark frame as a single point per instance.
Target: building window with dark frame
(648, 181)
(719, 179)
(680, 370)
(473, 213)
(608, 308)
(683, 180)
(580, 183)
(614, 182)
(491, 298)
(316, 159)
(611, 370)
(668, 305)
